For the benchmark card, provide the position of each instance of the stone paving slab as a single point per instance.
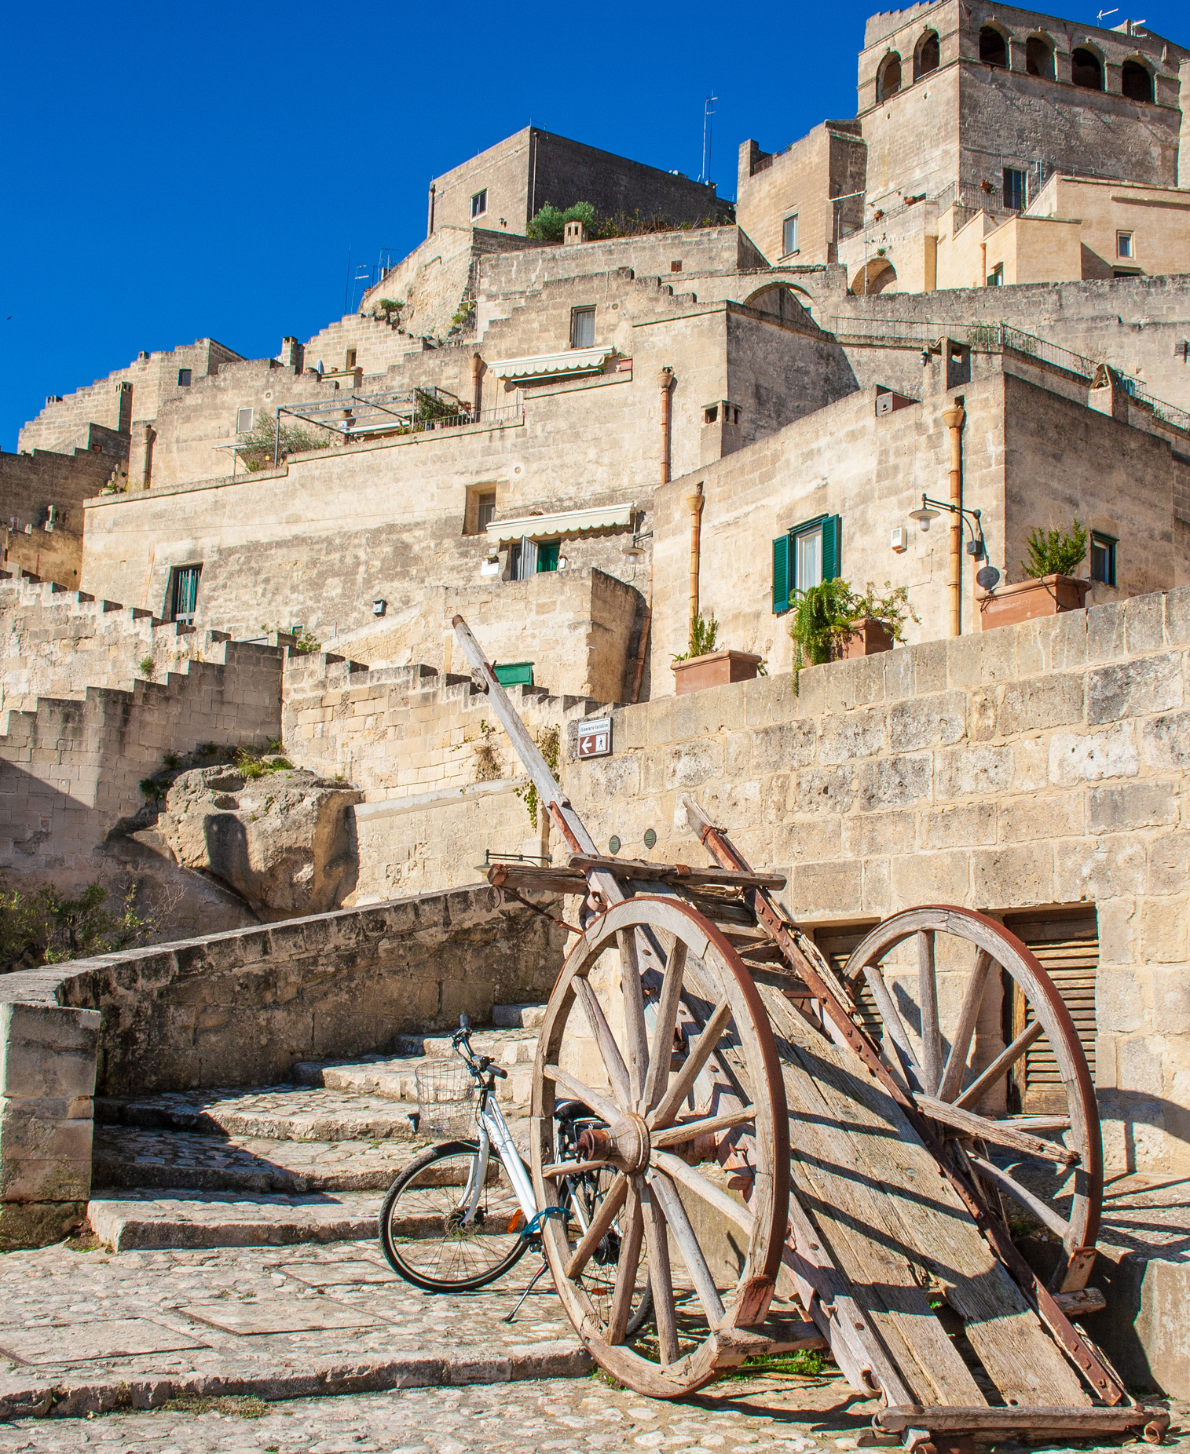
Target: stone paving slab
(87, 1332)
(132, 1156)
(154, 1219)
(395, 1078)
(784, 1415)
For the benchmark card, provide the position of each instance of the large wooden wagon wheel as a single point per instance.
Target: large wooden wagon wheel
(681, 1064)
(960, 953)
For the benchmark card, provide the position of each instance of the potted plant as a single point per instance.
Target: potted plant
(702, 666)
(1051, 586)
(831, 622)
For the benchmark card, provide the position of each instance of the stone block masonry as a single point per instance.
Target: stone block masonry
(1030, 767)
(235, 1009)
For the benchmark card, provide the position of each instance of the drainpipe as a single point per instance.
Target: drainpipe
(953, 419)
(666, 379)
(695, 503)
(983, 265)
(476, 384)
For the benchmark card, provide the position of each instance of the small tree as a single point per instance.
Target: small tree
(1055, 553)
(45, 928)
(262, 443)
(549, 225)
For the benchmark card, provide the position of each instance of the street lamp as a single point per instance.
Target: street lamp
(988, 577)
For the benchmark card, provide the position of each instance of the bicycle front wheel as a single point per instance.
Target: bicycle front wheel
(425, 1231)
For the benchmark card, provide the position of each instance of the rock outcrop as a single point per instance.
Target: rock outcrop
(283, 839)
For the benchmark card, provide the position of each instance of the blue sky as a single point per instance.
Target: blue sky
(172, 172)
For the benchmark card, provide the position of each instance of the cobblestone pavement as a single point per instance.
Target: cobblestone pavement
(258, 1319)
(792, 1415)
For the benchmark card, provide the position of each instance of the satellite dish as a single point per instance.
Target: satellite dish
(988, 578)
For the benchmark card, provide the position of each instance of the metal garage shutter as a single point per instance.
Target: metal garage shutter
(1067, 945)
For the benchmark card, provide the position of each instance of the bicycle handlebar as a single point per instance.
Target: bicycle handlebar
(477, 1065)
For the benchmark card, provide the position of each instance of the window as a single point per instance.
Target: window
(1124, 245)
(806, 556)
(485, 512)
(479, 204)
(992, 48)
(789, 235)
(996, 277)
(522, 560)
(675, 266)
(1103, 559)
(1135, 81)
(1016, 189)
(349, 359)
(1039, 58)
(244, 421)
(582, 328)
(1067, 944)
(183, 593)
(710, 414)
(888, 79)
(184, 376)
(547, 555)
(927, 57)
(1086, 69)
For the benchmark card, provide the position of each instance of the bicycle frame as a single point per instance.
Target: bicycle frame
(493, 1131)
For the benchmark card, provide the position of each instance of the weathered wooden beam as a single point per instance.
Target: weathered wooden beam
(676, 872)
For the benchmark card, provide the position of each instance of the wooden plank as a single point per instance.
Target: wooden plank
(919, 1213)
(675, 873)
(846, 1203)
(996, 1131)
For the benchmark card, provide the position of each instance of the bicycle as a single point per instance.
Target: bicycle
(463, 1213)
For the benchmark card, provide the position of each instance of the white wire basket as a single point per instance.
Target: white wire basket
(446, 1100)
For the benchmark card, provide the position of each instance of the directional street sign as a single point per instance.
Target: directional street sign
(595, 737)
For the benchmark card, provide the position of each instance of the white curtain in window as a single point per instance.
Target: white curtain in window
(528, 560)
(808, 567)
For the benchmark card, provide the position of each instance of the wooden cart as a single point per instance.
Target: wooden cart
(758, 1101)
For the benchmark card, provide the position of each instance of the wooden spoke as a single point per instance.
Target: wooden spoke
(714, 1196)
(660, 1280)
(1002, 1064)
(927, 990)
(635, 1032)
(572, 1168)
(634, 1231)
(682, 1131)
(613, 1061)
(609, 1208)
(700, 1053)
(1000, 1133)
(610, 1112)
(894, 1025)
(960, 1045)
(1044, 1213)
(661, 1052)
(683, 1234)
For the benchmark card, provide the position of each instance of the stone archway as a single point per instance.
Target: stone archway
(782, 300)
(876, 276)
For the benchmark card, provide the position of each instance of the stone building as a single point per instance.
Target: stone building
(577, 446)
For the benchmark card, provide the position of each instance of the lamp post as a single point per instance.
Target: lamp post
(987, 577)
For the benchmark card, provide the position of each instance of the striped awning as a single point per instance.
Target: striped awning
(545, 365)
(565, 522)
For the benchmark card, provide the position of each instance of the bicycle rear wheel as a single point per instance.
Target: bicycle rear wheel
(422, 1230)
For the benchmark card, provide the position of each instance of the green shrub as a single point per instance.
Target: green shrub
(146, 666)
(260, 445)
(45, 928)
(823, 617)
(549, 225)
(549, 744)
(1054, 553)
(703, 634)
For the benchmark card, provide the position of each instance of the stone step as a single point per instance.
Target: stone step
(512, 1046)
(395, 1076)
(273, 1113)
(179, 1218)
(136, 1157)
(518, 1017)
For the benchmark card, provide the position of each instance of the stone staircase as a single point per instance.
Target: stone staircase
(306, 1161)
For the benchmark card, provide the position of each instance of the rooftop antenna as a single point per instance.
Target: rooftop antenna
(707, 112)
(1103, 14)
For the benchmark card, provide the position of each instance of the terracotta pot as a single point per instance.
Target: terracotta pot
(1028, 599)
(715, 669)
(868, 636)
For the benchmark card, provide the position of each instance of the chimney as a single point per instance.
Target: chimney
(575, 232)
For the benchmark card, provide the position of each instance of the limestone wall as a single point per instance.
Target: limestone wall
(826, 163)
(1029, 767)
(235, 1009)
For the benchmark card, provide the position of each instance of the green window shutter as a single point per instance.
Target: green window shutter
(832, 534)
(782, 550)
(514, 673)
